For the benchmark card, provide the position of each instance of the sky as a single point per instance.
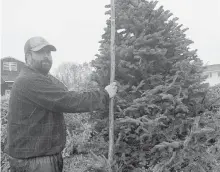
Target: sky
(75, 27)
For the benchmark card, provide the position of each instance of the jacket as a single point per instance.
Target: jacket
(36, 124)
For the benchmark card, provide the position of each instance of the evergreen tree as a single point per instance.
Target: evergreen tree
(161, 121)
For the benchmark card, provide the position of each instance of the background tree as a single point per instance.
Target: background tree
(75, 76)
(162, 121)
(213, 98)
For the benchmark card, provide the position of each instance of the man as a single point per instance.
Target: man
(36, 128)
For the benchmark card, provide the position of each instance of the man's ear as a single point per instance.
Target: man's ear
(28, 58)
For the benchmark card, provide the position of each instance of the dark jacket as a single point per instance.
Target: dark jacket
(35, 121)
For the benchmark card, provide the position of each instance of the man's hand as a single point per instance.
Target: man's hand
(112, 89)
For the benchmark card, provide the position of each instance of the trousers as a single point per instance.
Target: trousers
(53, 163)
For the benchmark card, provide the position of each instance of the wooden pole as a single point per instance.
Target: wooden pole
(112, 78)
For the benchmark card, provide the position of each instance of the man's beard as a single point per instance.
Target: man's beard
(43, 66)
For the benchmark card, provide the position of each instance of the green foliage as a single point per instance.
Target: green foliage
(76, 152)
(4, 111)
(213, 96)
(162, 119)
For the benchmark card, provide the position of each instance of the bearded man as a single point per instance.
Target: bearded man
(36, 128)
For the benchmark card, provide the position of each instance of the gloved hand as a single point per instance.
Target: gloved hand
(112, 89)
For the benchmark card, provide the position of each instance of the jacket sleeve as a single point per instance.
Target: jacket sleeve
(43, 92)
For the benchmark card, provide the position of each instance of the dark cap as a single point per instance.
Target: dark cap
(37, 43)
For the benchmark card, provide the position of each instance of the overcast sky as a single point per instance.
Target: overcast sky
(75, 27)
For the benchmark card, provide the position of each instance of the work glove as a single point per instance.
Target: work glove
(112, 89)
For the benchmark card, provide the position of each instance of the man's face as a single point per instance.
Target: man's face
(41, 60)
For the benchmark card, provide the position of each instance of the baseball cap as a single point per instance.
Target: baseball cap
(37, 43)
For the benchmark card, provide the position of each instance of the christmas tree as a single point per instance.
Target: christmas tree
(161, 121)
